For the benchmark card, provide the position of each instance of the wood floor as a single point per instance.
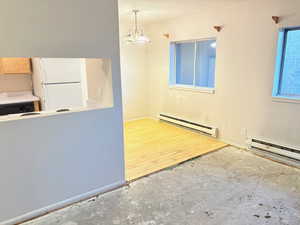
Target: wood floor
(152, 145)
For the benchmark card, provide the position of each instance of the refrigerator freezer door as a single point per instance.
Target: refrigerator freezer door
(60, 70)
(60, 96)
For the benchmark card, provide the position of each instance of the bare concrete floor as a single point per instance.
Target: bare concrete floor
(228, 187)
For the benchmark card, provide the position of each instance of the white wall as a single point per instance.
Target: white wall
(99, 83)
(135, 82)
(52, 159)
(246, 51)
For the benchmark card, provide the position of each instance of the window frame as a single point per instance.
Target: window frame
(173, 72)
(279, 66)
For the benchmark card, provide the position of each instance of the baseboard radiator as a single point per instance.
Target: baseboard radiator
(275, 149)
(212, 131)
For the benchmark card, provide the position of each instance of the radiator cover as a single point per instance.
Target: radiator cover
(267, 146)
(212, 131)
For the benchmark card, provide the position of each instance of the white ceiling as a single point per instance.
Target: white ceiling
(154, 10)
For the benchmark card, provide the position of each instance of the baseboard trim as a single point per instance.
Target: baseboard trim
(62, 204)
(234, 144)
(138, 118)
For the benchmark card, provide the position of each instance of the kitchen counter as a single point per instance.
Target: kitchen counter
(17, 97)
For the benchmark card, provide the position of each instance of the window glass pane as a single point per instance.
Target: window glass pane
(290, 77)
(205, 63)
(172, 77)
(185, 63)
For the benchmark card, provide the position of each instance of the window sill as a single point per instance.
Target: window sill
(192, 89)
(286, 99)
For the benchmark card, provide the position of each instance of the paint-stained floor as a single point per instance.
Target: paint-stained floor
(227, 187)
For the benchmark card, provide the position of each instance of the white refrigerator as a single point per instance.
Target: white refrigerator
(58, 82)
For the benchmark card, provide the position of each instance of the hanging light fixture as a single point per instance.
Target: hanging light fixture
(136, 36)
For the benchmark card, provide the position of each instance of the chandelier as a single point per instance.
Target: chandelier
(136, 35)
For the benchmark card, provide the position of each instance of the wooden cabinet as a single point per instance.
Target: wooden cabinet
(15, 66)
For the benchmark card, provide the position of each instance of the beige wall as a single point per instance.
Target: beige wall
(14, 82)
(246, 49)
(135, 80)
(99, 82)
